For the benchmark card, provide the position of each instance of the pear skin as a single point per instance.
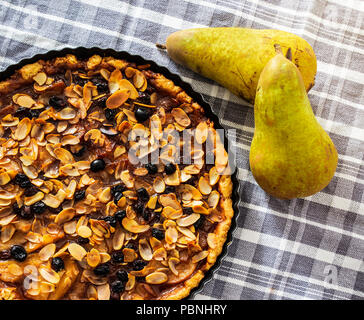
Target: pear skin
(291, 155)
(235, 57)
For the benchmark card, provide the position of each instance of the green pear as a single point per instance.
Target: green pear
(291, 155)
(235, 57)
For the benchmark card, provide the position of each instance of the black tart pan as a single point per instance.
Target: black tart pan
(84, 53)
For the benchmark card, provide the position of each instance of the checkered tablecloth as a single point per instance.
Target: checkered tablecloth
(309, 248)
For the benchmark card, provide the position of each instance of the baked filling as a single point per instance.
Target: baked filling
(97, 199)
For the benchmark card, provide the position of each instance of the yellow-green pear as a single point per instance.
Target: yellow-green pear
(235, 57)
(291, 155)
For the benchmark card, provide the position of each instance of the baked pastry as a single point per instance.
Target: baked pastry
(97, 199)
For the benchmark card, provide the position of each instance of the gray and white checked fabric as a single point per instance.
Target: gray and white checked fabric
(309, 248)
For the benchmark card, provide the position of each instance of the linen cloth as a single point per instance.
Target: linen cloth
(309, 248)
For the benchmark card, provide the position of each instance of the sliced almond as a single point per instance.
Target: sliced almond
(7, 233)
(132, 226)
(117, 99)
(25, 101)
(103, 292)
(171, 235)
(65, 215)
(213, 199)
(188, 220)
(214, 176)
(145, 250)
(67, 114)
(47, 252)
(93, 258)
(199, 256)
(204, 186)
(49, 275)
(201, 132)
(40, 78)
(28, 201)
(126, 85)
(156, 278)
(118, 239)
(129, 255)
(23, 129)
(158, 185)
(181, 117)
(172, 262)
(114, 80)
(78, 252)
(84, 232)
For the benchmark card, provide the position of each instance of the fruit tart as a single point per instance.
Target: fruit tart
(105, 188)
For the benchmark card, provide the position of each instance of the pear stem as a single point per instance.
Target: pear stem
(278, 49)
(161, 46)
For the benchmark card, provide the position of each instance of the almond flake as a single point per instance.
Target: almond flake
(156, 278)
(188, 220)
(47, 252)
(78, 252)
(84, 232)
(117, 99)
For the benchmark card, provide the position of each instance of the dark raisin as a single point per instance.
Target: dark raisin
(22, 112)
(139, 208)
(170, 189)
(80, 151)
(16, 208)
(25, 184)
(102, 86)
(117, 188)
(78, 80)
(122, 275)
(57, 264)
(28, 192)
(139, 265)
(55, 210)
(79, 195)
(97, 165)
(18, 253)
(5, 254)
(120, 215)
(82, 240)
(102, 270)
(26, 213)
(146, 214)
(198, 224)
(110, 220)
(158, 233)
(143, 194)
(117, 197)
(20, 178)
(144, 97)
(34, 113)
(140, 279)
(117, 286)
(110, 114)
(187, 210)
(38, 207)
(117, 257)
(57, 102)
(101, 102)
(142, 114)
(152, 168)
(131, 245)
(170, 168)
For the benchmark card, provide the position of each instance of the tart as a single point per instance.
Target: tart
(97, 199)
